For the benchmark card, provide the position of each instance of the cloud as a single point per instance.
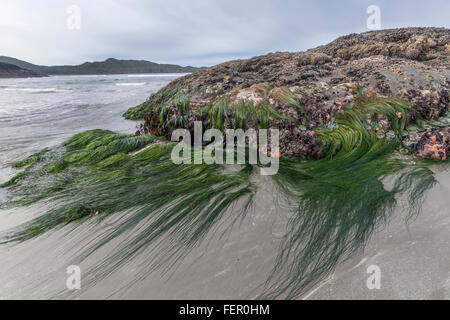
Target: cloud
(195, 32)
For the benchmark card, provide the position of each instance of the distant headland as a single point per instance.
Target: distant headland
(109, 66)
(12, 71)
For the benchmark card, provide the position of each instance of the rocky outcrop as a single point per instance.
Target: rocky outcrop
(410, 64)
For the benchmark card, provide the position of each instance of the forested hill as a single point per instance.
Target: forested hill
(109, 66)
(11, 71)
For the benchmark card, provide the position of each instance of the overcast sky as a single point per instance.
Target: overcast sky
(193, 32)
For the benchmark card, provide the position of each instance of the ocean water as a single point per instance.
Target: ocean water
(414, 258)
(42, 112)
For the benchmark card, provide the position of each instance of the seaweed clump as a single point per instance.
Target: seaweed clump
(340, 199)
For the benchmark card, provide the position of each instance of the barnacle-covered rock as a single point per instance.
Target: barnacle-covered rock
(434, 144)
(310, 88)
